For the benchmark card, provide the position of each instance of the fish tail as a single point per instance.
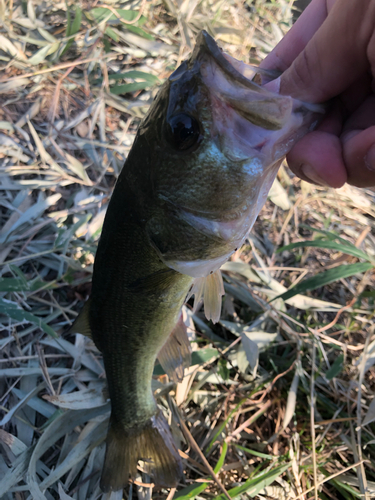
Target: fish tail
(152, 442)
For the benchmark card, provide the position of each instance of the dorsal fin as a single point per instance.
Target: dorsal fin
(81, 323)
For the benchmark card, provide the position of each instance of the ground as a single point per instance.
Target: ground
(280, 395)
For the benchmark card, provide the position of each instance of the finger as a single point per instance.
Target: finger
(336, 56)
(317, 158)
(358, 138)
(362, 118)
(356, 94)
(297, 37)
(333, 121)
(359, 156)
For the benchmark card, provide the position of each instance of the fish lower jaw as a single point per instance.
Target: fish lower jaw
(199, 268)
(229, 234)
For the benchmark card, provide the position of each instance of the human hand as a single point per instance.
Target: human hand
(329, 54)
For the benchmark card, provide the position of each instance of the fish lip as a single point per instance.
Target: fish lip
(205, 44)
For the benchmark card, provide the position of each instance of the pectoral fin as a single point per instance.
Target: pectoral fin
(81, 323)
(175, 355)
(211, 288)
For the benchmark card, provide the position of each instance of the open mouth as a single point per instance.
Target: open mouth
(239, 85)
(249, 76)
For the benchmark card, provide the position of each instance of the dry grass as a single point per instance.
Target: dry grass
(280, 396)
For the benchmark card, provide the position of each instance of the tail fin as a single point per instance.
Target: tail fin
(153, 443)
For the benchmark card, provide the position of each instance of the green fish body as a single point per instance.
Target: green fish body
(195, 179)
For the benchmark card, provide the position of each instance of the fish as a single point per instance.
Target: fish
(203, 160)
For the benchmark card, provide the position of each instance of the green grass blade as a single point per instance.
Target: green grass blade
(346, 491)
(222, 426)
(329, 234)
(199, 357)
(152, 79)
(255, 453)
(16, 312)
(101, 13)
(336, 367)
(325, 278)
(254, 485)
(112, 34)
(72, 27)
(195, 489)
(16, 270)
(77, 21)
(329, 244)
(139, 31)
(18, 285)
(68, 20)
(190, 491)
(129, 87)
(130, 15)
(142, 75)
(221, 460)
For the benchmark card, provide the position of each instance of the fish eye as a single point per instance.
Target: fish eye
(183, 131)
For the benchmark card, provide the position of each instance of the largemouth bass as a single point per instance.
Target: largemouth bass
(194, 181)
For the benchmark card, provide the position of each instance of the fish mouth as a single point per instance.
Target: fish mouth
(249, 76)
(240, 86)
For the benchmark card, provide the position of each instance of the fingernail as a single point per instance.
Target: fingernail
(310, 173)
(346, 136)
(370, 158)
(273, 86)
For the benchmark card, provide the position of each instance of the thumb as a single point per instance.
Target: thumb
(336, 55)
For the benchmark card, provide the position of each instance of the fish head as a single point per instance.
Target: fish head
(214, 137)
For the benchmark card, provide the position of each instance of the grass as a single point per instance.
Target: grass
(279, 400)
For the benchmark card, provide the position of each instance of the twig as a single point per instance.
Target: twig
(312, 421)
(56, 96)
(361, 472)
(44, 368)
(115, 13)
(171, 494)
(196, 448)
(287, 219)
(139, 483)
(338, 314)
(329, 478)
(250, 420)
(266, 391)
(55, 68)
(334, 420)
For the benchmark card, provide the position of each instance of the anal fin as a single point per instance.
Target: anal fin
(175, 355)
